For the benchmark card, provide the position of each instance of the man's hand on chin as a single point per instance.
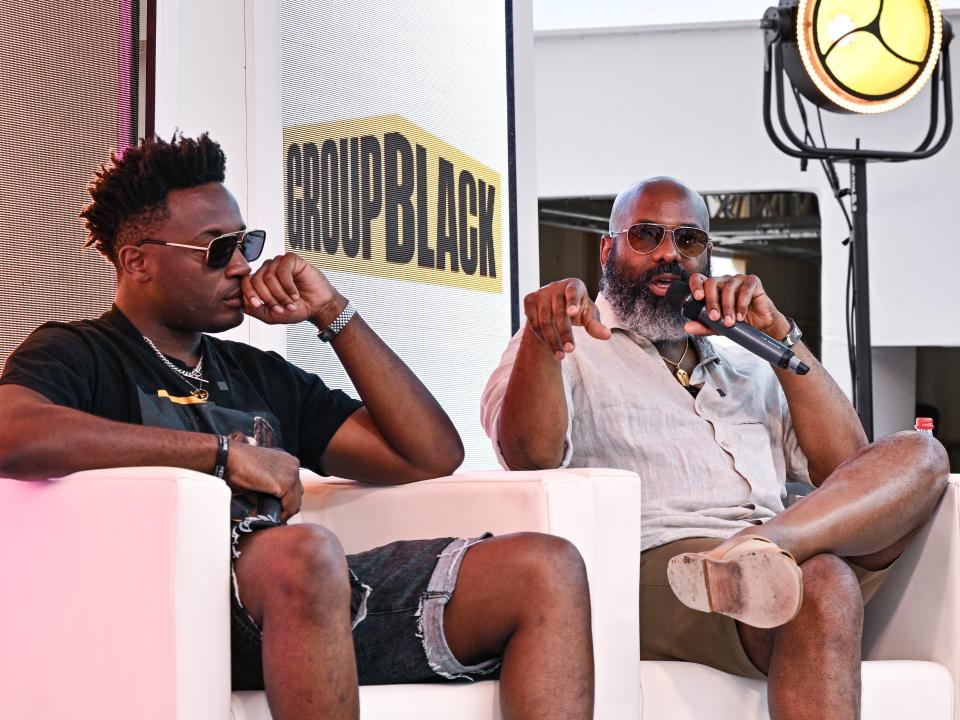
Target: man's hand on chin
(287, 289)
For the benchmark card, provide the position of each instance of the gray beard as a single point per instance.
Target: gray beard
(639, 309)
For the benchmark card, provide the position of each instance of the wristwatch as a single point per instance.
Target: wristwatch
(339, 323)
(793, 337)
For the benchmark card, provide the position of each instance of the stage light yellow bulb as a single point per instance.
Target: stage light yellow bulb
(837, 17)
(839, 27)
(905, 28)
(868, 68)
(866, 57)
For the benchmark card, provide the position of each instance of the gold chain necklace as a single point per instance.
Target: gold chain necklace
(680, 373)
(196, 374)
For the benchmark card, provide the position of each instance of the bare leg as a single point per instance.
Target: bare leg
(866, 511)
(526, 596)
(813, 662)
(868, 507)
(294, 584)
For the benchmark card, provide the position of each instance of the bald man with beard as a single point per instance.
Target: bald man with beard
(729, 577)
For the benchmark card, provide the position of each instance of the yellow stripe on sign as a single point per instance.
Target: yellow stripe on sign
(180, 400)
(382, 196)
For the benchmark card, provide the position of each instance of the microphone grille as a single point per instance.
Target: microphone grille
(677, 293)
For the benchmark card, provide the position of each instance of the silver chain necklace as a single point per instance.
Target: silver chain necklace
(196, 374)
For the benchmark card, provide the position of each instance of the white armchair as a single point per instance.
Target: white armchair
(114, 601)
(911, 644)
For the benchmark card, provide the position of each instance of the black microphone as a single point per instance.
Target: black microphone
(744, 335)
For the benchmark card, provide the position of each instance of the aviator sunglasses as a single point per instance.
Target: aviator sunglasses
(220, 249)
(646, 237)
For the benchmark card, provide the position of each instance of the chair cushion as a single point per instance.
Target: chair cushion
(892, 689)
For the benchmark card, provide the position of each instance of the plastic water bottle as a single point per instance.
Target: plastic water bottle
(924, 425)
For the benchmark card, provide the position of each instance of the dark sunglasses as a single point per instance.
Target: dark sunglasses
(220, 249)
(646, 237)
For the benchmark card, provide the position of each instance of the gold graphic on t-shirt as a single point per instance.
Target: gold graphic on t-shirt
(195, 399)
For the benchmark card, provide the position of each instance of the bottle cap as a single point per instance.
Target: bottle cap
(923, 423)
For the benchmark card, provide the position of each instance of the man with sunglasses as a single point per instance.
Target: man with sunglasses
(145, 385)
(729, 578)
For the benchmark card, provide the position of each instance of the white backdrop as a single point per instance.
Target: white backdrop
(564, 16)
(442, 67)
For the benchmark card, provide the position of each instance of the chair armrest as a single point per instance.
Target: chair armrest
(597, 510)
(916, 613)
(114, 601)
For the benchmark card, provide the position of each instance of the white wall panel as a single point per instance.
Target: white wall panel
(201, 86)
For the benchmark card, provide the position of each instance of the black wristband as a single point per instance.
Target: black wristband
(220, 468)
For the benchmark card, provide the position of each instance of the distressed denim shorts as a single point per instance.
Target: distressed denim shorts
(397, 598)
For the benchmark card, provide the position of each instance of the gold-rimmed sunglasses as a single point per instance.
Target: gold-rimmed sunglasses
(646, 237)
(221, 248)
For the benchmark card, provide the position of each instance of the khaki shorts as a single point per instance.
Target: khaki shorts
(669, 630)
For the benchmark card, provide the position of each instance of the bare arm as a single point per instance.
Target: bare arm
(39, 440)
(533, 417)
(402, 434)
(827, 427)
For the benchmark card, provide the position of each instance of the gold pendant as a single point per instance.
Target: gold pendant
(683, 377)
(203, 394)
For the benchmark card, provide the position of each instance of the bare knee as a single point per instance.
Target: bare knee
(308, 567)
(550, 566)
(924, 456)
(831, 615)
(831, 595)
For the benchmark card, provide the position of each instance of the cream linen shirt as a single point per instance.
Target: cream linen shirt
(710, 465)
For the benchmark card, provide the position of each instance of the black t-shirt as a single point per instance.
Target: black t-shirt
(105, 367)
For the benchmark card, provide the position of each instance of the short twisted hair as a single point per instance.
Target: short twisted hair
(130, 191)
